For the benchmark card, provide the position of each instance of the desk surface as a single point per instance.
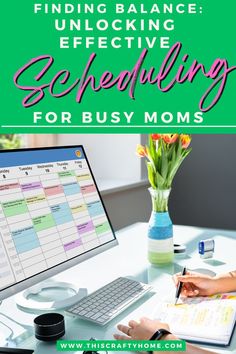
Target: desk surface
(129, 259)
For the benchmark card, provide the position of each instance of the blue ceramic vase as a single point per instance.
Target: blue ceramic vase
(160, 230)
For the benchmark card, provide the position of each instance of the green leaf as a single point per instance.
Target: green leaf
(179, 149)
(151, 175)
(170, 152)
(152, 149)
(164, 164)
(159, 155)
(172, 162)
(186, 152)
(159, 180)
(150, 157)
(151, 144)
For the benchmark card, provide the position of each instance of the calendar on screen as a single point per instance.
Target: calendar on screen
(50, 211)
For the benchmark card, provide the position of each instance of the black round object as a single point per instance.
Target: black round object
(49, 327)
(180, 249)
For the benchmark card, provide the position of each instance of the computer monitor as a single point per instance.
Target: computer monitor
(51, 215)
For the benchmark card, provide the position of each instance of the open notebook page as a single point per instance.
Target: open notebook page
(207, 319)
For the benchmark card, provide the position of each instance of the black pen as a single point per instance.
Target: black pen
(179, 287)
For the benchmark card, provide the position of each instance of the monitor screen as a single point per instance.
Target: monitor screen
(51, 214)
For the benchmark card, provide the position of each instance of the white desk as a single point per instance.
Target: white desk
(129, 258)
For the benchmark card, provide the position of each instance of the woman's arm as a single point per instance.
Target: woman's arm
(145, 328)
(196, 284)
(226, 283)
(190, 349)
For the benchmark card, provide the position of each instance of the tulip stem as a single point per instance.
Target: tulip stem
(160, 200)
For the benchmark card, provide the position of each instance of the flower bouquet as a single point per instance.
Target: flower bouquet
(164, 154)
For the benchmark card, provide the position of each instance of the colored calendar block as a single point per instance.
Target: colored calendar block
(88, 189)
(73, 244)
(9, 186)
(79, 208)
(66, 174)
(83, 177)
(15, 207)
(25, 239)
(36, 199)
(85, 227)
(43, 222)
(71, 188)
(31, 186)
(102, 228)
(61, 213)
(95, 208)
(53, 190)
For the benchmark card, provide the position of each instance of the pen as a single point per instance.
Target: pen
(179, 287)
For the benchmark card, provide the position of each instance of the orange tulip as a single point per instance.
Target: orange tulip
(141, 151)
(170, 138)
(155, 137)
(185, 140)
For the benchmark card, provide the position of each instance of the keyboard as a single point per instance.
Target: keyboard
(109, 301)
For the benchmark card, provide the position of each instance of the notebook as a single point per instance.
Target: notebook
(208, 320)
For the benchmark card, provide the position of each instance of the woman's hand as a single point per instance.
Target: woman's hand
(196, 284)
(141, 330)
(144, 330)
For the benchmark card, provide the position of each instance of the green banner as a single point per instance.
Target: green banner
(101, 67)
(123, 345)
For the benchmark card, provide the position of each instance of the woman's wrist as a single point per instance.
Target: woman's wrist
(162, 333)
(169, 336)
(217, 284)
(224, 283)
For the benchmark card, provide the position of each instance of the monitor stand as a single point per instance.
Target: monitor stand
(50, 296)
